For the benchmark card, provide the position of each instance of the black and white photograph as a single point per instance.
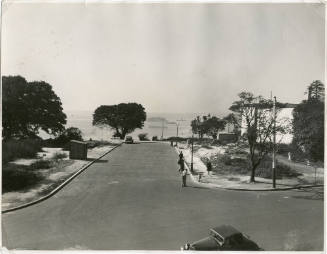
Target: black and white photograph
(162, 126)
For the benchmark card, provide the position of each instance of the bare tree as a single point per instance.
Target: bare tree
(257, 123)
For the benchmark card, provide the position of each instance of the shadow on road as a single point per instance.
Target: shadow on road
(97, 161)
(311, 194)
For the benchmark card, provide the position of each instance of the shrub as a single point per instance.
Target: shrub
(155, 138)
(224, 164)
(206, 146)
(18, 177)
(59, 156)
(176, 139)
(216, 142)
(264, 170)
(69, 134)
(283, 149)
(226, 159)
(284, 170)
(95, 143)
(41, 164)
(13, 149)
(116, 135)
(297, 153)
(143, 136)
(239, 161)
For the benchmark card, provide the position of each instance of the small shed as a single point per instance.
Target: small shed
(78, 150)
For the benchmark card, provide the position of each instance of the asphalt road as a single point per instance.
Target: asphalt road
(133, 199)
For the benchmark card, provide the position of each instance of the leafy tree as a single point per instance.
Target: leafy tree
(209, 125)
(308, 123)
(258, 121)
(47, 108)
(71, 133)
(143, 136)
(316, 91)
(14, 112)
(29, 107)
(123, 118)
(197, 126)
(235, 121)
(213, 125)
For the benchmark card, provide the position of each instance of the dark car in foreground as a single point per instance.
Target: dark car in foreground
(224, 238)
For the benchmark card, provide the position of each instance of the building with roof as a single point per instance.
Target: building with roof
(284, 117)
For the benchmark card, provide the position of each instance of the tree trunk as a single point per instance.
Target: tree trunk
(119, 134)
(123, 133)
(254, 165)
(252, 179)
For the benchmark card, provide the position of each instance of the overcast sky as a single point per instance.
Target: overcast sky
(168, 57)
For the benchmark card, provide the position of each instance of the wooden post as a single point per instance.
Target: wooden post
(274, 144)
(192, 154)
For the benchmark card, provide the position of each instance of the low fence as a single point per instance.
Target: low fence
(227, 137)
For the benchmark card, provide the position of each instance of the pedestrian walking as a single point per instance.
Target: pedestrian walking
(182, 170)
(181, 164)
(184, 174)
(209, 167)
(181, 156)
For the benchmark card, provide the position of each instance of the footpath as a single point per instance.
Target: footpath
(201, 179)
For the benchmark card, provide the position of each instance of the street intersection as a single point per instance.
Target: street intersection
(132, 200)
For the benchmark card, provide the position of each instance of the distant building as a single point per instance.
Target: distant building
(284, 114)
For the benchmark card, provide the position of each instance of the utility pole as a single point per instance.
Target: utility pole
(274, 144)
(177, 129)
(162, 129)
(192, 154)
(177, 126)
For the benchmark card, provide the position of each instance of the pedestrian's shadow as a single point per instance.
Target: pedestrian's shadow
(97, 161)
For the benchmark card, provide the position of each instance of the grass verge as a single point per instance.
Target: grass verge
(19, 177)
(25, 148)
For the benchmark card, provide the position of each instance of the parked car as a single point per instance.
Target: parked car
(129, 140)
(224, 238)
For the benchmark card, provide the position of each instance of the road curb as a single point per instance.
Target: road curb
(276, 189)
(213, 186)
(58, 188)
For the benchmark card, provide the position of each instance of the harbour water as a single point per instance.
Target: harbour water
(157, 124)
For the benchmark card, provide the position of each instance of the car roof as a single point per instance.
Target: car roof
(225, 231)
